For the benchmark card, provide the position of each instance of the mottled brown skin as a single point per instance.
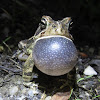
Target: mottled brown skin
(47, 27)
(55, 27)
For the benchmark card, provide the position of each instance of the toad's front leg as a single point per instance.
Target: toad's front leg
(27, 69)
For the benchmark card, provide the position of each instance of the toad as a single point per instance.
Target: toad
(51, 49)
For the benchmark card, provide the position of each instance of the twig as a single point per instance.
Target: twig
(7, 46)
(15, 63)
(9, 69)
(7, 79)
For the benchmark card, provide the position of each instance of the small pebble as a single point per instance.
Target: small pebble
(21, 98)
(32, 92)
(90, 71)
(78, 76)
(22, 57)
(24, 90)
(91, 50)
(84, 86)
(48, 98)
(98, 77)
(13, 90)
(1, 98)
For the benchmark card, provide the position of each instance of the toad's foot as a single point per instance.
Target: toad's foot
(30, 84)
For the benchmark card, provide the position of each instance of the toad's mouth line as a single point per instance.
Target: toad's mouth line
(45, 37)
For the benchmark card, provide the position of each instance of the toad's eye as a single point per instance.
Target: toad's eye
(43, 24)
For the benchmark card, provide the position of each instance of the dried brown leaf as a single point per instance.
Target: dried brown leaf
(61, 96)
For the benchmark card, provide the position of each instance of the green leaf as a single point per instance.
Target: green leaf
(96, 96)
(84, 78)
(8, 38)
